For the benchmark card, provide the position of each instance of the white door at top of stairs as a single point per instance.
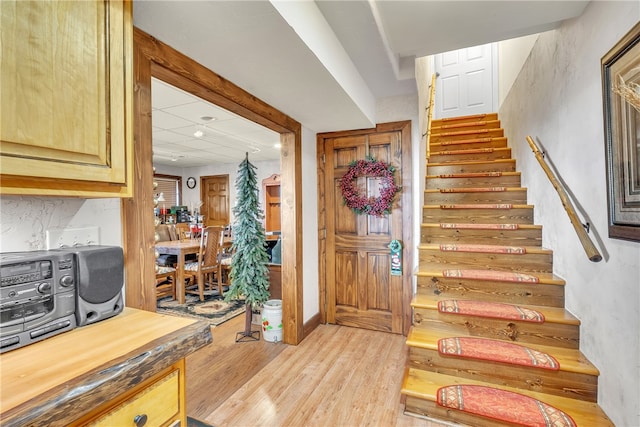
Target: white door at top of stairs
(467, 82)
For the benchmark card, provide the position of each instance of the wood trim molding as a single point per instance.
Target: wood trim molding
(153, 58)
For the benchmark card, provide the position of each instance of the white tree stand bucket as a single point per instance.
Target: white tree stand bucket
(272, 320)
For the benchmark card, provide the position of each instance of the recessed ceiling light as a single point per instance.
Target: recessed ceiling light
(277, 145)
(198, 134)
(207, 118)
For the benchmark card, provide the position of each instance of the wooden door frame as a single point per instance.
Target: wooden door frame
(407, 215)
(154, 58)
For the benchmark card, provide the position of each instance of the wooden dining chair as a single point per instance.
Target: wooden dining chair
(207, 268)
(182, 230)
(165, 281)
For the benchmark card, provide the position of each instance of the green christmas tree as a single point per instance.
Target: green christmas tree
(249, 274)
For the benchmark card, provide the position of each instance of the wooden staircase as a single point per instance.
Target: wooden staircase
(476, 219)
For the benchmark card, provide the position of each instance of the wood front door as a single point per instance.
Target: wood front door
(360, 289)
(215, 200)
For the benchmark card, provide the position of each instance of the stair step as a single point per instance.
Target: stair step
(464, 119)
(503, 179)
(420, 388)
(556, 315)
(479, 124)
(470, 155)
(494, 257)
(468, 143)
(478, 214)
(559, 329)
(570, 359)
(499, 165)
(476, 195)
(549, 291)
(460, 135)
(576, 377)
(524, 234)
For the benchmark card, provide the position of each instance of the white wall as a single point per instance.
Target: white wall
(311, 291)
(511, 56)
(25, 220)
(557, 99)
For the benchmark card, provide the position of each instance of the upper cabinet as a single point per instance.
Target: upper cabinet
(66, 125)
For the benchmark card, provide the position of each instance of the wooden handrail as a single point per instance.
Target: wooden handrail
(587, 244)
(432, 94)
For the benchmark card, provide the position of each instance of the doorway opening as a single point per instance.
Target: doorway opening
(152, 58)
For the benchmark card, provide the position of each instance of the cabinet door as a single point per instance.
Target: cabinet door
(66, 105)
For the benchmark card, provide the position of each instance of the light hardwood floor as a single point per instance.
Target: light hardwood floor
(337, 376)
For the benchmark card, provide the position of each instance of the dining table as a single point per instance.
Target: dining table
(180, 248)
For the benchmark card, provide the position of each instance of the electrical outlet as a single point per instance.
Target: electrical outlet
(70, 237)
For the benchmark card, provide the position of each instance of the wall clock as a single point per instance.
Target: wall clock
(191, 182)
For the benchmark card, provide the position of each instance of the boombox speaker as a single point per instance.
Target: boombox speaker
(100, 277)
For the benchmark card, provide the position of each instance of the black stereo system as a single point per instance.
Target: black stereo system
(45, 293)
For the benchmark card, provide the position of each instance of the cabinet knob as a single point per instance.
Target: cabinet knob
(140, 420)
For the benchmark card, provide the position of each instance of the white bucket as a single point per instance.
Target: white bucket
(272, 320)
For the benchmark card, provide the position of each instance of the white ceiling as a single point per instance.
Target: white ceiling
(323, 62)
(225, 137)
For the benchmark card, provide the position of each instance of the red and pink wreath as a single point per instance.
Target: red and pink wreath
(362, 204)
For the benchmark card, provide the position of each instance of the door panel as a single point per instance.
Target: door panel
(215, 197)
(465, 82)
(360, 289)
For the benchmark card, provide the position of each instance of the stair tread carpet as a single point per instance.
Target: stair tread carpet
(480, 206)
(425, 385)
(485, 248)
(465, 119)
(476, 226)
(494, 124)
(496, 351)
(570, 360)
(498, 404)
(470, 162)
(492, 141)
(436, 270)
(471, 151)
(474, 190)
(550, 314)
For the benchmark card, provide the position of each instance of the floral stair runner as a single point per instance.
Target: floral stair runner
(478, 206)
(466, 141)
(468, 151)
(502, 405)
(490, 309)
(497, 276)
(473, 190)
(496, 351)
(487, 249)
(471, 175)
(469, 226)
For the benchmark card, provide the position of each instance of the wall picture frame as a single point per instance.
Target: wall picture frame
(621, 102)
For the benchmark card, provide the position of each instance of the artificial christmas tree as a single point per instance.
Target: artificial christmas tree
(249, 275)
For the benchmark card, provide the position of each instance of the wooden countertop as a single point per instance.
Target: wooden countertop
(57, 380)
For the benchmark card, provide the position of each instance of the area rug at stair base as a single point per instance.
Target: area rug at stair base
(501, 405)
(213, 309)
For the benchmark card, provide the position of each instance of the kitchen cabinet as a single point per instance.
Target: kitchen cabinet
(66, 108)
(109, 373)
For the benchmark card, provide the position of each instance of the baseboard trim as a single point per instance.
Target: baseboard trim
(311, 324)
